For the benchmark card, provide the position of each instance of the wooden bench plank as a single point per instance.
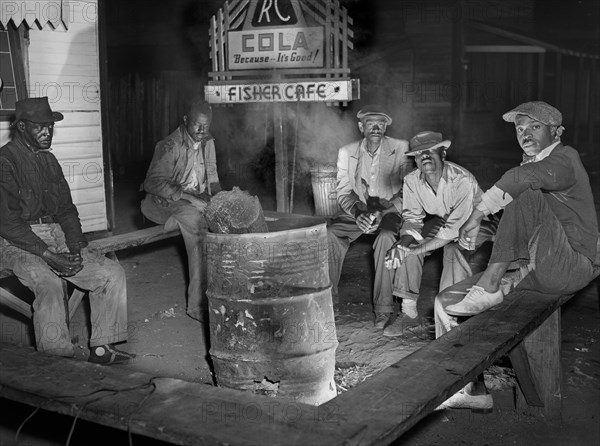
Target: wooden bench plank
(102, 246)
(132, 239)
(168, 409)
(398, 397)
(378, 411)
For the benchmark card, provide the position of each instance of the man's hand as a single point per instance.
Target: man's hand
(196, 200)
(65, 265)
(468, 232)
(367, 223)
(396, 256)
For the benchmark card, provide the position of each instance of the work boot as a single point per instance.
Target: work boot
(402, 323)
(476, 301)
(107, 355)
(381, 319)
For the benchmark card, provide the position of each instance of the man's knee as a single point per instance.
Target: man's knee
(112, 271)
(40, 276)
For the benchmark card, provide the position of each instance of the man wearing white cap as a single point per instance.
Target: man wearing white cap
(369, 191)
(447, 193)
(549, 228)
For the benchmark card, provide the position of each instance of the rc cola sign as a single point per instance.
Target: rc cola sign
(274, 36)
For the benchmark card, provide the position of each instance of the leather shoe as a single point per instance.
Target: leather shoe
(398, 327)
(108, 355)
(463, 400)
(381, 319)
(476, 301)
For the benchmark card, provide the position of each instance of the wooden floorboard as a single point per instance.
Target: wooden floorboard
(395, 399)
(167, 409)
(376, 412)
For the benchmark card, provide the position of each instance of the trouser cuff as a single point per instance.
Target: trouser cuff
(119, 337)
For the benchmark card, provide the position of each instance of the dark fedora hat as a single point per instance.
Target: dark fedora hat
(36, 110)
(427, 141)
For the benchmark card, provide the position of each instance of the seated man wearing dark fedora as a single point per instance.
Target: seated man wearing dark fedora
(41, 241)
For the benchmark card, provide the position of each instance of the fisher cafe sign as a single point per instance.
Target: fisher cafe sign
(268, 41)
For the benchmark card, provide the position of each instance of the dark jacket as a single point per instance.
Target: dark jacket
(566, 186)
(32, 185)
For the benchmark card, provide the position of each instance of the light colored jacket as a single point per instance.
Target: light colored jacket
(393, 166)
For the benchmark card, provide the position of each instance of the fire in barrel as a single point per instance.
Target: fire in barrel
(272, 329)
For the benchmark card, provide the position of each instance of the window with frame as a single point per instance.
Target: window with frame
(12, 68)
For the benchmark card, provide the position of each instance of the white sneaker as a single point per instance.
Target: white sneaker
(463, 400)
(476, 301)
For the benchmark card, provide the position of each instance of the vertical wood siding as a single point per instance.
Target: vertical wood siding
(64, 65)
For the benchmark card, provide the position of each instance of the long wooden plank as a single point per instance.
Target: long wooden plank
(404, 393)
(376, 412)
(167, 409)
(131, 239)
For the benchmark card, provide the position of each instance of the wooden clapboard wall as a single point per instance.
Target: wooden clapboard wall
(64, 65)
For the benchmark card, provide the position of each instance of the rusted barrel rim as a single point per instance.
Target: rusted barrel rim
(254, 235)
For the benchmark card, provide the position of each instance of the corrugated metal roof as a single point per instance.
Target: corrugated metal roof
(35, 13)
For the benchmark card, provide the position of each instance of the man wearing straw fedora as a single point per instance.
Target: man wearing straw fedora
(41, 241)
(369, 191)
(438, 197)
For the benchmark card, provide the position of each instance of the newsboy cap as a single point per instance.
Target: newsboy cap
(426, 141)
(36, 110)
(373, 109)
(538, 110)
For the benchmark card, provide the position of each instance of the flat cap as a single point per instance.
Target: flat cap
(373, 109)
(538, 110)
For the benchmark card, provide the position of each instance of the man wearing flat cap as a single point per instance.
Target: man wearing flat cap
(41, 241)
(370, 173)
(547, 239)
(439, 197)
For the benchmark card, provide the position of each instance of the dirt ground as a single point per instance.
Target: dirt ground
(168, 343)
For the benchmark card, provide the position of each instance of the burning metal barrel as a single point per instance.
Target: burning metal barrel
(272, 328)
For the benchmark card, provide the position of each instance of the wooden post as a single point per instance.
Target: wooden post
(578, 98)
(541, 74)
(281, 159)
(542, 347)
(559, 79)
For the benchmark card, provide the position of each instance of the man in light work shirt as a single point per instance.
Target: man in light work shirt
(448, 192)
(369, 192)
(180, 182)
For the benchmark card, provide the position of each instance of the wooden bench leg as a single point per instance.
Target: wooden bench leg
(74, 301)
(538, 368)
